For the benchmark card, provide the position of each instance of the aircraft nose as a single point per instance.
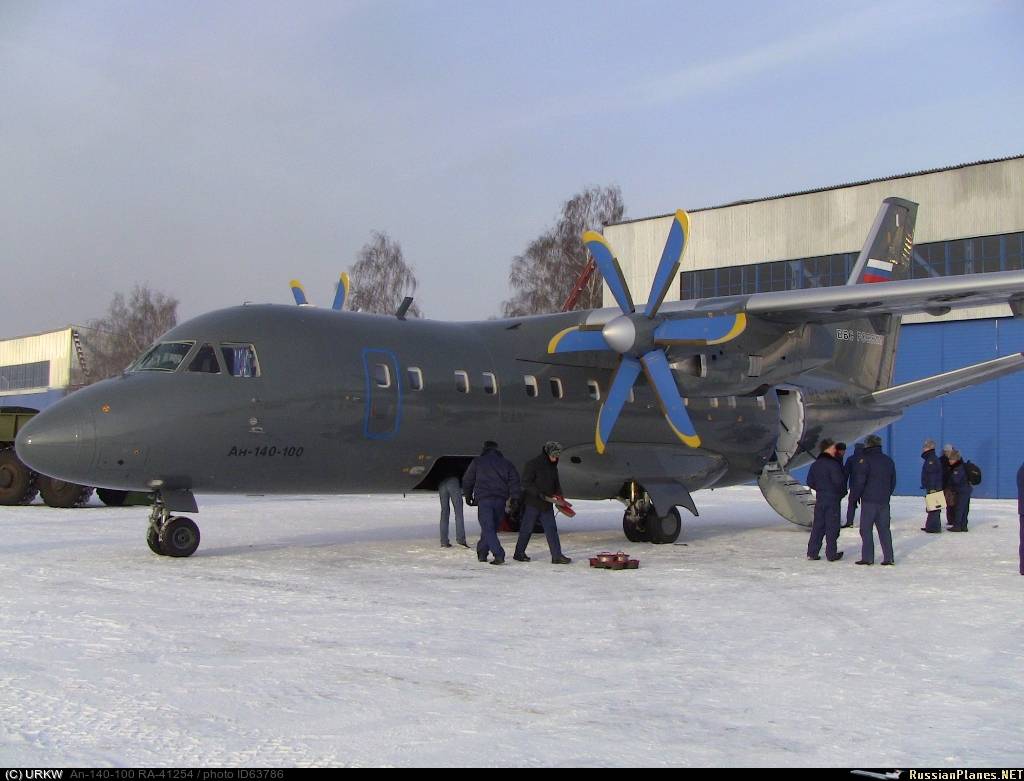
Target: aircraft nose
(60, 442)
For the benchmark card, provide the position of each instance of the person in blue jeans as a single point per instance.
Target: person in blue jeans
(450, 493)
(489, 483)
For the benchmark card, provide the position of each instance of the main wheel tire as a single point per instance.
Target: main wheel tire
(634, 532)
(153, 541)
(112, 498)
(57, 493)
(664, 529)
(17, 482)
(180, 537)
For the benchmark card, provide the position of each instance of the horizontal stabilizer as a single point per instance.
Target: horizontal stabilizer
(940, 384)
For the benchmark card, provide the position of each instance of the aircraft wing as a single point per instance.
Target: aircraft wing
(935, 296)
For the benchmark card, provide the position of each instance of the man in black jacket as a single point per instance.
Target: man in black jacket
(873, 483)
(931, 481)
(489, 483)
(540, 485)
(828, 479)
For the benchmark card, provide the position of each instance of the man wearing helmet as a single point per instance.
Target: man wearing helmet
(540, 486)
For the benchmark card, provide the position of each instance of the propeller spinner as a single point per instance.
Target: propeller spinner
(641, 338)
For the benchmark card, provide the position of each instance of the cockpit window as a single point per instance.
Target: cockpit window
(205, 361)
(240, 360)
(163, 357)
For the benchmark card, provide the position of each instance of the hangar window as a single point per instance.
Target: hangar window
(462, 381)
(163, 357)
(986, 254)
(205, 361)
(415, 378)
(556, 388)
(382, 375)
(1014, 255)
(490, 384)
(240, 360)
(594, 390)
(531, 385)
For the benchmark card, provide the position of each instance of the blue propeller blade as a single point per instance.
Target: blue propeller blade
(668, 266)
(622, 383)
(701, 330)
(609, 267)
(299, 293)
(573, 340)
(342, 293)
(660, 376)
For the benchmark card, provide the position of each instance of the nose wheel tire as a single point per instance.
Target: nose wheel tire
(664, 529)
(153, 541)
(179, 538)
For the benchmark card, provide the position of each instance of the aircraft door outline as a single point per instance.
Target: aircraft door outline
(382, 417)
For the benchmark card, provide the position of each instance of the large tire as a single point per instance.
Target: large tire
(112, 498)
(633, 532)
(57, 493)
(17, 482)
(664, 529)
(179, 537)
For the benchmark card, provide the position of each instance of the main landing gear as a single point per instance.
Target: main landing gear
(641, 522)
(170, 535)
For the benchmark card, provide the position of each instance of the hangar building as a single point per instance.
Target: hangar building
(38, 370)
(970, 221)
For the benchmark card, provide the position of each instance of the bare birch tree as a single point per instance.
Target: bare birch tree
(130, 326)
(543, 276)
(381, 279)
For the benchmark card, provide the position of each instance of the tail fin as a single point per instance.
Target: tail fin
(866, 351)
(887, 253)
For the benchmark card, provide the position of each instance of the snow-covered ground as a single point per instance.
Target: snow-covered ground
(334, 631)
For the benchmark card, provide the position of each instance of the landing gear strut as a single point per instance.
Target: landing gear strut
(170, 535)
(641, 522)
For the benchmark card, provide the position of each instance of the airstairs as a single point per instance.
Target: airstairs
(788, 497)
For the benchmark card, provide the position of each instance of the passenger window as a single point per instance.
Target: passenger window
(240, 360)
(205, 361)
(531, 385)
(462, 381)
(163, 357)
(490, 384)
(415, 378)
(556, 388)
(382, 375)
(594, 390)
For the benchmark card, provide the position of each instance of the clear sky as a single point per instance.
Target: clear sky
(214, 150)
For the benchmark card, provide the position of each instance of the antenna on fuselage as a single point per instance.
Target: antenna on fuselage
(404, 307)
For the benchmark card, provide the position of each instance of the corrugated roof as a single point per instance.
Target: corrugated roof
(826, 189)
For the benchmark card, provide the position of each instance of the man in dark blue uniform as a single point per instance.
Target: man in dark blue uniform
(489, 483)
(828, 479)
(931, 480)
(540, 485)
(1020, 512)
(851, 465)
(962, 490)
(874, 482)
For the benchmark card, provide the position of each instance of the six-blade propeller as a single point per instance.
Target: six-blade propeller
(641, 339)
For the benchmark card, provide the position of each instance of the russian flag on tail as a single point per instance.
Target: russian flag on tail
(877, 271)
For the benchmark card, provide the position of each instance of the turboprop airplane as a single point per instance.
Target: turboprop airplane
(686, 395)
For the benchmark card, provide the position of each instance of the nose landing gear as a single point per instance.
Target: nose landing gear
(170, 535)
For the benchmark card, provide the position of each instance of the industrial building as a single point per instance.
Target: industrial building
(38, 370)
(970, 221)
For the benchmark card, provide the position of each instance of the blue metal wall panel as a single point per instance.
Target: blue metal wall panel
(983, 422)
